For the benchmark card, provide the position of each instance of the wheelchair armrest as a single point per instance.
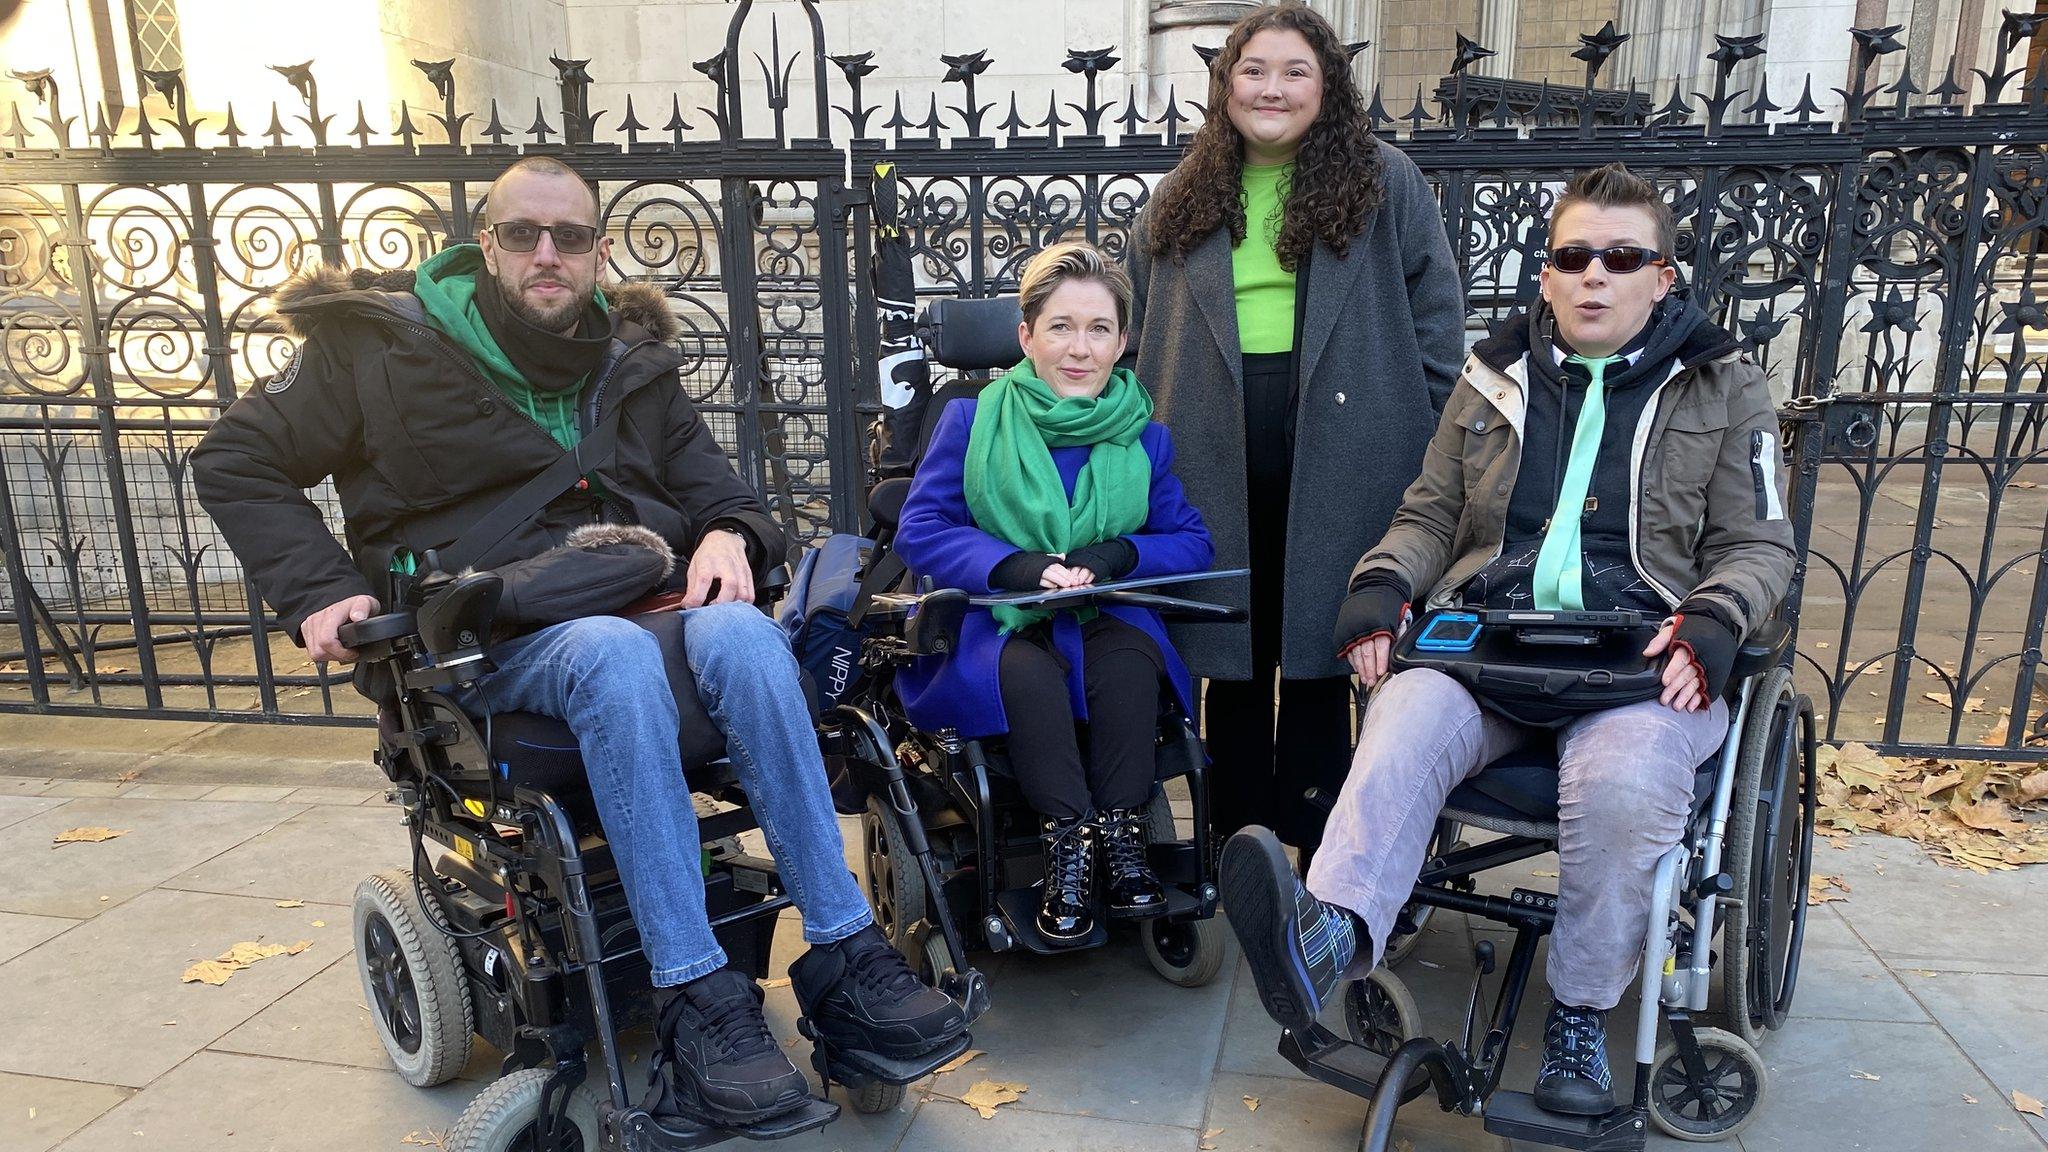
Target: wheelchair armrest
(773, 586)
(935, 629)
(1762, 650)
(374, 638)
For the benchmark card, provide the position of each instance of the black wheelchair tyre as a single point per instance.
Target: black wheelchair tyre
(1729, 1099)
(504, 1116)
(1187, 953)
(413, 981)
(875, 1098)
(1768, 855)
(895, 886)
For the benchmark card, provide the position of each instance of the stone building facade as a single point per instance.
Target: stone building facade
(647, 49)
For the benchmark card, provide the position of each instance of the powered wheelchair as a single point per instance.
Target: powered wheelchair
(953, 852)
(520, 933)
(1733, 890)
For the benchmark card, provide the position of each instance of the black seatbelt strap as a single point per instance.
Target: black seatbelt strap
(590, 452)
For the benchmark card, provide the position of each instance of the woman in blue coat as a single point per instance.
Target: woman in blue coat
(1056, 477)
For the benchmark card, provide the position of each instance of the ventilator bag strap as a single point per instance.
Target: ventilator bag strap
(537, 493)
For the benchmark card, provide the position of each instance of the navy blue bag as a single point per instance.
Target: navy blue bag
(822, 593)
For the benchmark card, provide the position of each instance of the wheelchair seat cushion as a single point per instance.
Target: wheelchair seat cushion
(540, 752)
(1517, 794)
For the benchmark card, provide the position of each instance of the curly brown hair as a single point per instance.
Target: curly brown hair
(1337, 173)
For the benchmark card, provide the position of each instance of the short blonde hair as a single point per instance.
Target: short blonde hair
(1075, 260)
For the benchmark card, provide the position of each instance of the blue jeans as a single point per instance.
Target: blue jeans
(605, 678)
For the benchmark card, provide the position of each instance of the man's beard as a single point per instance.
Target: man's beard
(558, 318)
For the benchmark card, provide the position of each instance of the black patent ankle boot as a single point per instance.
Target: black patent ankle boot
(1065, 915)
(1130, 889)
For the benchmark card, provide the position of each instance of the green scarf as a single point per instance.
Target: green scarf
(446, 286)
(1013, 487)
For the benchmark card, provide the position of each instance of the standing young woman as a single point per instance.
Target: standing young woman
(1299, 322)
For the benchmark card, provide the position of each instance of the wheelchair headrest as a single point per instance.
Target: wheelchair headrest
(972, 335)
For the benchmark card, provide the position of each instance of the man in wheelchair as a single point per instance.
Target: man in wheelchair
(1612, 449)
(496, 410)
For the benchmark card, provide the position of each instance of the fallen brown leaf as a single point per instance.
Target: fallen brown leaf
(128, 777)
(1969, 1099)
(2021, 1102)
(989, 1095)
(778, 982)
(427, 1139)
(87, 835)
(958, 1062)
(291, 903)
(1212, 1133)
(1860, 1075)
(211, 972)
(1251, 1103)
(1818, 889)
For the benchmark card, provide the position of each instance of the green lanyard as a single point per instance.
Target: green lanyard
(1559, 563)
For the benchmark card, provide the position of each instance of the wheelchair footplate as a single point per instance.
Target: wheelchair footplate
(663, 1123)
(855, 1068)
(1019, 909)
(1516, 1116)
(675, 1130)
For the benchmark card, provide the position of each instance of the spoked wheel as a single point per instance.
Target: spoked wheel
(505, 1117)
(1770, 855)
(1184, 952)
(895, 886)
(413, 981)
(1380, 1013)
(1716, 1104)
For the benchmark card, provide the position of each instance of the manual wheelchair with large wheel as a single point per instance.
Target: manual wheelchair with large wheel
(520, 933)
(1733, 891)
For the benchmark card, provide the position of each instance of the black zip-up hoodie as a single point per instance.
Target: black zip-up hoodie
(1677, 333)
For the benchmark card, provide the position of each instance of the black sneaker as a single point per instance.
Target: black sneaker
(859, 994)
(1298, 947)
(728, 1069)
(1575, 1079)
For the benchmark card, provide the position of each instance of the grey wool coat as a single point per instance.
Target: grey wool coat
(1380, 346)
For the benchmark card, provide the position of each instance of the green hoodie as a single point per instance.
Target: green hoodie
(446, 286)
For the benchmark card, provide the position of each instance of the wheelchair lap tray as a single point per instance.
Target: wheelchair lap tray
(1538, 668)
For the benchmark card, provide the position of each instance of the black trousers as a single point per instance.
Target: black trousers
(1268, 752)
(1123, 675)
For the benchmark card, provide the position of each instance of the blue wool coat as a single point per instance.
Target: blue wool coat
(937, 537)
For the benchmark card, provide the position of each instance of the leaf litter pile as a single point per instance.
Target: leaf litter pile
(1967, 813)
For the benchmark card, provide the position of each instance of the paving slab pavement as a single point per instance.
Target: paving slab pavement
(102, 1040)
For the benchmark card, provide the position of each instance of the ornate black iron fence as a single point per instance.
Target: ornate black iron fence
(1880, 260)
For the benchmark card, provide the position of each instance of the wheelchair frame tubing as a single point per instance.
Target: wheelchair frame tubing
(1710, 854)
(1664, 900)
(899, 799)
(1198, 798)
(985, 819)
(584, 946)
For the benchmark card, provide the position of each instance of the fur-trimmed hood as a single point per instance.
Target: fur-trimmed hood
(300, 301)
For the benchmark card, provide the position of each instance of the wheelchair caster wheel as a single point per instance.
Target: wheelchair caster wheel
(1717, 1105)
(875, 1098)
(1379, 1012)
(1188, 953)
(504, 1116)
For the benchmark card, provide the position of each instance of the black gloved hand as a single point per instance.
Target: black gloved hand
(1110, 559)
(1706, 632)
(1376, 604)
(1020, 571)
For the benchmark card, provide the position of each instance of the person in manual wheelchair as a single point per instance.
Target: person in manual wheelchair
(1056, 477)
(495, 410)
(1612, 449)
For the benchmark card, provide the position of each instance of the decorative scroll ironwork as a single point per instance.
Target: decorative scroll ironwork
(1881, 262)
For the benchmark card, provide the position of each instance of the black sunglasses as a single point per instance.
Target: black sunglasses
(1620, 260)
(520, 236)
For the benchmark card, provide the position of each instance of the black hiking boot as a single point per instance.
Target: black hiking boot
(1066, 914)
(1130, 889)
